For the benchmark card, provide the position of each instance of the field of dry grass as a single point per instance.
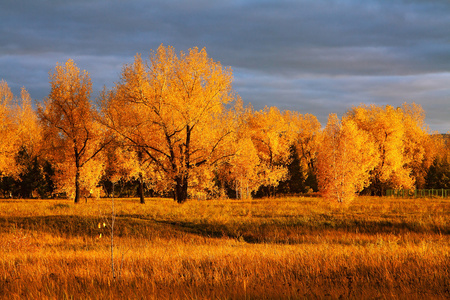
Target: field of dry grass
(287, 248)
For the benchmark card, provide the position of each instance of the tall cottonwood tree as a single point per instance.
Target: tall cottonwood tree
(243, 171)
(420, 146)
(29, 131)
(264, 149)
(34, 172)
(8, 131)
(172, 110)
(401, 140)
(20, 133)
(28, 121)
(73, 137)
(306, 131)
(19, 128)
(264, 146)
(345, 159)
(272, 136)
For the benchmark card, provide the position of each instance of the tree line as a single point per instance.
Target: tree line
(172, 125)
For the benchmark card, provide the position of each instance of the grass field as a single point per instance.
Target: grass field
(287, 248)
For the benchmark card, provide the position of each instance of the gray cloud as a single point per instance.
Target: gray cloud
(317, 57)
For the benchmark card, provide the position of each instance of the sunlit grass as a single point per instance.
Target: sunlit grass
(226, 249)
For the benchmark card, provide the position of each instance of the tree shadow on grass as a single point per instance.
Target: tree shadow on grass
(133, 226)
(56, 224)
(289, 232)
(292, 233)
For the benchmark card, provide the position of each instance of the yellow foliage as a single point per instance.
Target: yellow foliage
(345, 159)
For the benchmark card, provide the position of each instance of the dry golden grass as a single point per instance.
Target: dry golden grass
(287, 248)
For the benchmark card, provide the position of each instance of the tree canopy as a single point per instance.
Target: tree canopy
(172, 111)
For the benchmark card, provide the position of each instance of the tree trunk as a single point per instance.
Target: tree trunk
(77, 186)
(181, 189)
(141, 189)
(141, 179)
(77, 175)
(181, 180)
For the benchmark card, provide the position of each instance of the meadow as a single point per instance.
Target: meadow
(280, 248)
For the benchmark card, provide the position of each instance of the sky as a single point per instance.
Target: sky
(310, 56)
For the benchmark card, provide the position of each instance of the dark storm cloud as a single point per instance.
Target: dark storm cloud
(312, 56)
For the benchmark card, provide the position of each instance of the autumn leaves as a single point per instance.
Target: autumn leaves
(175, 123)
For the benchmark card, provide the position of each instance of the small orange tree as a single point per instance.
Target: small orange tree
(345, 159)
(73, 137)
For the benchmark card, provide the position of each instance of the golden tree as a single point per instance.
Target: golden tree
(263, 148)
(21, 133)
(73, 137)
(401, 141)
(29, 130)
(272, 137)
(244, 170)
(8, 131)
(420, 145)
(172, 110)
(305, 133)
(345, 159)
